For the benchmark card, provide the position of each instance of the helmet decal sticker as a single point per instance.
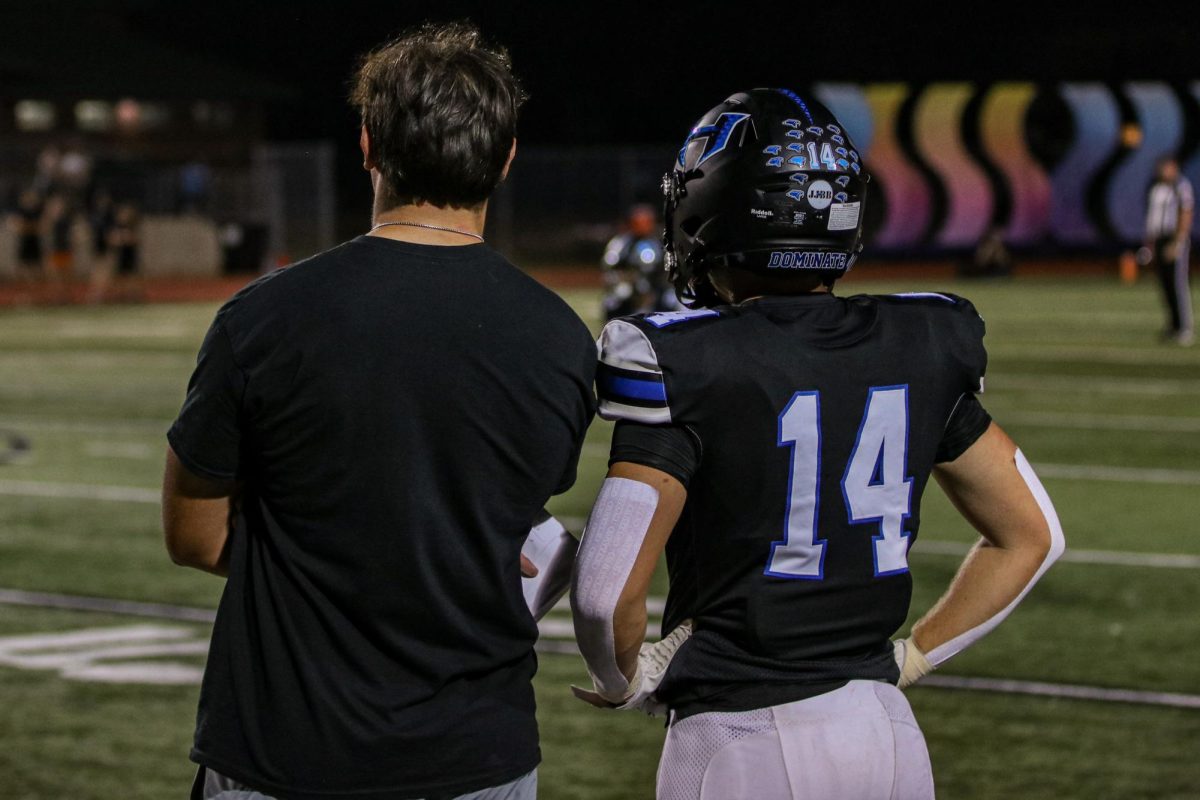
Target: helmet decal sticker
(716, 136)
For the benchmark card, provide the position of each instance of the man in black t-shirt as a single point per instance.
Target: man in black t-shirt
(366, 441)
(775, 440)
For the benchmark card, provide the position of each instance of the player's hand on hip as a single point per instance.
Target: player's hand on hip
(912, 662)
(653, 662)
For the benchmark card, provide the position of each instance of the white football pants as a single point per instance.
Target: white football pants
(860, 742)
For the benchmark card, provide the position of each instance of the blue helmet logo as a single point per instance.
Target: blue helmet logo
(716, 136)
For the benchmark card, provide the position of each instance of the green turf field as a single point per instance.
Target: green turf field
(1110, 417)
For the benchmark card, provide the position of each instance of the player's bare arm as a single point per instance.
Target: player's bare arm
(634, 515)
(197, 515)
(995, 489)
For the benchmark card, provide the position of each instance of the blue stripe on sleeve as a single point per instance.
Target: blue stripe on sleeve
(617, 387)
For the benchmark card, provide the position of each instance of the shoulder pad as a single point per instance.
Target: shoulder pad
(661, 319)
(965, 330)
(942, 296)
(935, 299)
(629, 380)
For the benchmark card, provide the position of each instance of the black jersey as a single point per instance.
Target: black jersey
(815, 422)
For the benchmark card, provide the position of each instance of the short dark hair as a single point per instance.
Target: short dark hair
(440, 108)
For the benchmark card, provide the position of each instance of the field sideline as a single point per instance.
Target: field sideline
(102, 704)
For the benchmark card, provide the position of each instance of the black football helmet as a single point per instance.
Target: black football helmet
(769, 182)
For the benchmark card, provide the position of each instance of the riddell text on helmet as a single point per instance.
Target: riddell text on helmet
(793, 259)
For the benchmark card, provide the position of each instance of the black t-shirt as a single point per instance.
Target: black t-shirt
(398, 414)
(805, 429)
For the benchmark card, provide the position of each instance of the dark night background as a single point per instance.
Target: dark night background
(601, 73)
(605, 73)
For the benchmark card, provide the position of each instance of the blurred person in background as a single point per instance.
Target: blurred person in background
(381, 425)
(991, 257)
(27, 225)
(195, 183)
(634, 278)
(1168, 244)
(45, 180)
(74, 173)
(101, 219)
(125, 242)
(120, 269)
(59, 224)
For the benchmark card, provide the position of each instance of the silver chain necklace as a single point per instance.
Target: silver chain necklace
(430, 227)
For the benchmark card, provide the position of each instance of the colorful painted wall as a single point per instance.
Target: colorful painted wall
(1063, 166)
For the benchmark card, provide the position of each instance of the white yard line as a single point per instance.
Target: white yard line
(1090, 472)
(557, 637)
(137, 451)
(81, 491)
(129, 494)
(1103, 384)
(106, 605)
(1112, 557)
(22, 424)
(1071, 691)
(1080, 354)
(1154, 423)
(1091, 319)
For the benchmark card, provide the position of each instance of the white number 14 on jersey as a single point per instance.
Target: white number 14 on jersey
(874, 485)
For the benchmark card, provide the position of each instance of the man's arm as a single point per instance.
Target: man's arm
(995, 489)
(633, 517)
(197, 516)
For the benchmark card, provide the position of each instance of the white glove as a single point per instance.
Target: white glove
(653, 661)
(912, 662)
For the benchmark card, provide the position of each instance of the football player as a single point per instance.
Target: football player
(776, 440)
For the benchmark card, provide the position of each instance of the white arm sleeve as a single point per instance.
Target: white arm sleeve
(608, 550)
(961, 642)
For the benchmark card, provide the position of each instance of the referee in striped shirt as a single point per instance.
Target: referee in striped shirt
(1168, 242)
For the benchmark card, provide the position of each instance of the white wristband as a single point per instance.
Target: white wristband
(912, 662)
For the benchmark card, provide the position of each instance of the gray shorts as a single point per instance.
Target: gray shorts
(212, 785)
